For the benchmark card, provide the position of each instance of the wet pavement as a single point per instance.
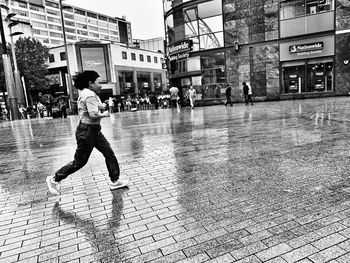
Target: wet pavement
(262, 183)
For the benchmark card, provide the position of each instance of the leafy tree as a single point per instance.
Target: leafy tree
(32, 57)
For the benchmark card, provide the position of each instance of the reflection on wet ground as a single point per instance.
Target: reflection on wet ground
(250, 183)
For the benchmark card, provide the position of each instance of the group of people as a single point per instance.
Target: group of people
(247, 93)
(189, 97)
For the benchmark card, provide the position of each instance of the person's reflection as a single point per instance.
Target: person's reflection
(103, 240)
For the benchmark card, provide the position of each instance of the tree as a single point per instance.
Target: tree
(32, 57)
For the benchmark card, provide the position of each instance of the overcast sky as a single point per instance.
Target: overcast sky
(146, 16)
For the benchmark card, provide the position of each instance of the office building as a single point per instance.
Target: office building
(80, 24)
(284, 49)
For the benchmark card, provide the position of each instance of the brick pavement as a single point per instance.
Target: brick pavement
(263, 183)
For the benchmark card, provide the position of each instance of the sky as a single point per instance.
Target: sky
(146, 16)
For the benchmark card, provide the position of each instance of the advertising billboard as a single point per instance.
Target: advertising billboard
(93, 58)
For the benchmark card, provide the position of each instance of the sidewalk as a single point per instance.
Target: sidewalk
(263, 183)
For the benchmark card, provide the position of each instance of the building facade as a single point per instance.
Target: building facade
(80, 24)
(123, 70)
(283, 48)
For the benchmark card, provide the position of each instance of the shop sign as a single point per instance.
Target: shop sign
(293, 76)
(180, 47)
(180, 56)
(319, 73)
(306, 49)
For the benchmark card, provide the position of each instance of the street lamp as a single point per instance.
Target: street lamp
(10, 84)
(69, 77)
(16, 72)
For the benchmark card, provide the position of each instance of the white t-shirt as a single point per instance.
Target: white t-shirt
(191, 93)
(88, 102)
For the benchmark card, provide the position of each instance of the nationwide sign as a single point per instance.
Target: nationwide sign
(306, 49)
(179, 47)
(180, 50)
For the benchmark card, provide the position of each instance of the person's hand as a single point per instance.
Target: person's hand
(106, 114)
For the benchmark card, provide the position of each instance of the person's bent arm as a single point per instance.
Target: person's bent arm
(93, 107)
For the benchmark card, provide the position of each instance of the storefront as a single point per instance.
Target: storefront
(307, 65)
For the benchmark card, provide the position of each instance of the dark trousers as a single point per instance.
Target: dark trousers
(90, 136)
(173, 104)
(248, 98)
(64, 111)
(228, 100)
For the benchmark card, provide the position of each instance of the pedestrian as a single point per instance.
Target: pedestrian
(41, 109)
(174, 91)
(228, 96)
(111, 104)
(247, 94)
(22, 111)
(63, 107)
(191, 93)
(88, 133)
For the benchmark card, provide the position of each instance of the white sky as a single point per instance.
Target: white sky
(146, 16)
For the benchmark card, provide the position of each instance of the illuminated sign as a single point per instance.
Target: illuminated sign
(179, 56)
(306, 49)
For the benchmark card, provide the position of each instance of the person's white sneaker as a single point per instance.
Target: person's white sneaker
(52, 185)
(118, 184)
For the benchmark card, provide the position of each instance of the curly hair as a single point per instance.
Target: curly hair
(81, 79)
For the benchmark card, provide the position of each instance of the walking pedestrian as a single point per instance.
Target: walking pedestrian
(174, 91)
(247, 94)
(191, 93)
(228, 96)
(88, 134)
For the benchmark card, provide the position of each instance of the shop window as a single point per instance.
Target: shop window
(143, 82)
(126, 81)
(314, 75)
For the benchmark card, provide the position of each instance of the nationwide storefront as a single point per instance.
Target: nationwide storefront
(284, 49)
(307, 65)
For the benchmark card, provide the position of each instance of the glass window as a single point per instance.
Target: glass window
(148, 58)
(313, 75)
(70, 30)
(53, 34)
(143, 81)
(210, 8)
(124, 55)
(54, 19)
(96, 35)
(190, 14)
(69, 23)
(80, 12)
(210, 41)
(39, 24)
(133, 56)
(55, 27)
(81, 25)
(191, 29)
(180, 33)
(212, 24)
(294, 77)
(155, 60)
(38, 16)
(63, 56)
(319, 75)
(36, 8)
(141, 57)
(169, 22)
(51, 58)
(93, 28)
(290, 9)
(54, 13)
(91, 15)
(51, 4)
(126, 81)
(70, 16)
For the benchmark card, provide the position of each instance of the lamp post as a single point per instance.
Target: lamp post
(10, 84)
(69, 77)
(17, 76)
